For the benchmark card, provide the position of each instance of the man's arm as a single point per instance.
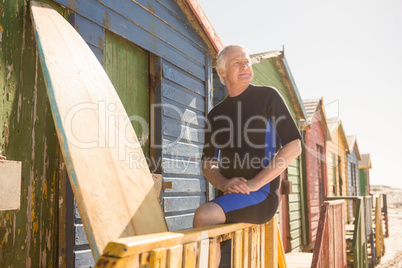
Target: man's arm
(278, 164)
(211, 172)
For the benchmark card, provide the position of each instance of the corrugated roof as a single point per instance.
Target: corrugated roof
(311, 106)
(365, 162)
(333, 125)
(352, 142)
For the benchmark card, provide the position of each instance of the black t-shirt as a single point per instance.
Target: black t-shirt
(245, 132)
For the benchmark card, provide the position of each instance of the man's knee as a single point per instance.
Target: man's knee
(208, 214)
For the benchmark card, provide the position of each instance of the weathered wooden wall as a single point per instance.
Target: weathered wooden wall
(180, 82)
(315, 176)
(29, 235)
(268, 73)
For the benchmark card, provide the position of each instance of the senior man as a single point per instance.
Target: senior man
(250, 139)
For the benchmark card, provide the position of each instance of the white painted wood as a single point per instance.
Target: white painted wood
(10, 185)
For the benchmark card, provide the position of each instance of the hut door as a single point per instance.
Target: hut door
(321, 174)
(127, 66)
(284, 215)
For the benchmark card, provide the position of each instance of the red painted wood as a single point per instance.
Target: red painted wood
(330, 247)
(315, 173)
(205, 23)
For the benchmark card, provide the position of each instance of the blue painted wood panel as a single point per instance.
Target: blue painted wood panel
(183, 203)
(176, 129)
(186, 80)
(176, 147)
(182, 95)
(179, 222)
(153, 24)
(92, 33)
(174, 21)
(182, 113)
(130, 28)
(180, 166)
(184, 185)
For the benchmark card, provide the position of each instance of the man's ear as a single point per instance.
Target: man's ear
(222, 73)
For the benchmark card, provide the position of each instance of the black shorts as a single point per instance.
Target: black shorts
(258, 207)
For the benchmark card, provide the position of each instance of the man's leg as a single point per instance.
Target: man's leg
(210, 214)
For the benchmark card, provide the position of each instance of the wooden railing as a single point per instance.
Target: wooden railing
(363, 250)
(379, 233)
(330, 247)
(252, 246)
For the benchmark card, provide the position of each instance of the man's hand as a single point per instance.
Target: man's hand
(236, 185)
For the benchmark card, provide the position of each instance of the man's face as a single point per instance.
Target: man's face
(239, 72)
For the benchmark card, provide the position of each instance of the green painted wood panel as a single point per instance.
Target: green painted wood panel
(28, 236)
(128, 68)
(363, 181)
(266, 73)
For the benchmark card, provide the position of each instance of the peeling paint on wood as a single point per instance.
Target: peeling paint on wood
(28, 235)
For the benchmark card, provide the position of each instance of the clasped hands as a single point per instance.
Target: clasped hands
(240, 185)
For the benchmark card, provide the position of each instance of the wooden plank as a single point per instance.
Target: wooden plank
(178, 166)
(186, 80)
(183, 203)
(246, 244)
(177, 129)
(271, 244)
(213, 243)
(282, 262)
(158, 258)
(203, 253)
(97, 172)
(174, 256)
(184, 184)
(175, 147)
(180, 222)
(182, 95)
(190, 254)
(182, 113)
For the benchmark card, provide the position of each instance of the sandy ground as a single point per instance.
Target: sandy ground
(393, 243)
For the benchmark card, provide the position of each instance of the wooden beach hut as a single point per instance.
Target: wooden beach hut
(159, 56)
(315, 133)
(364, 174)
(272, 69)
(337, 150)
(353, 159)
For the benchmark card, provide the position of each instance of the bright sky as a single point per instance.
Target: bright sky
(347, 51)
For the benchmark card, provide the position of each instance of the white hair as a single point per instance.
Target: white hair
(222, 57)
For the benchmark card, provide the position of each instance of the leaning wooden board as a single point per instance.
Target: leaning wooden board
(110, 178)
